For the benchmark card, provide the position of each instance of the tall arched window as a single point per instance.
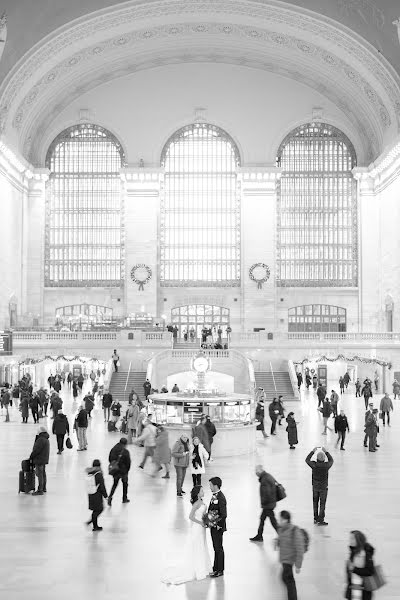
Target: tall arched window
(83, 217)
(317, 209)
(200, 209)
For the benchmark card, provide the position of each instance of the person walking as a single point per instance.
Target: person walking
(198, 459)
(55, 404)
(376, 381)
(341, 384)
(34, 406)
(396, 389)
(281, 410)
(291, 552)
(299, 380)
(326, 411)
(162, 452)
(120, 453)
(341, 426)
(358, 388)
(334, 400)
(200, 431)
(291, 431)
(24, 406)
(346, 379)
(359, 565)
(106, 403)
(147, 388)
(89, 404)
(218, 506)
(40, 458)
(320, 461)
(274, 410)
(69, 379)
(320, 395)
(96, 492)
(148, 438)
(60, 429)
(385, 407)
(80, 426)
(369, 411)
(75, 389)
(372, 428)
(367, 393)
(132, 416)
(180, 454)
(268, 502)
(43, 400)
(212, 431)
(260, 414)
(115, 359)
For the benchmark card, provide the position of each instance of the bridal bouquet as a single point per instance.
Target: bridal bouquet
(211, 518)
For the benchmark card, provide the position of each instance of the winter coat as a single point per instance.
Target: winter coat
(201, 432)
(124, 461)
(341, 423)
(81, 419)
(321, 392)
(178, 452)
(204, 456)
(320, 471)
(89, 404)
(211, 430)
(386, 404)
(162, 453)
(291, 545)
(96, 500)
(366, 391)
(326, 409)
(132, 415)
(267, 490)
(346, 378)
(291, 431)
(24, 407)
(34, 403)
(107, 400)
(274, 410)
(41, 449)
(371, 424)
(60, 425)
(148, 436)
(363, 567)
(334, 399)
(116, 409)
(57, 385)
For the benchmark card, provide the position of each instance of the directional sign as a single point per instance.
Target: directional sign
(5, 342)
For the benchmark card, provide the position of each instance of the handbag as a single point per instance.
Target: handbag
(381, 415)
(68, 443)
(375, 581)
(113, 467)
(280, 491)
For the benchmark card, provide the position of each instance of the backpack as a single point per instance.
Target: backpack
(91, 485)
(306, 537)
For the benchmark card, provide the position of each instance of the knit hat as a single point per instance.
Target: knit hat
(42, 429)
(321, 456)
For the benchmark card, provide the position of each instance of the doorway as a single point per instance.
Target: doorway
(197, 316)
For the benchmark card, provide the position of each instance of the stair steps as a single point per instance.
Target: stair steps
(118, 382)
(283, 384)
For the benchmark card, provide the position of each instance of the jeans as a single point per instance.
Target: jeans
(273, 424)
(81, 433)
(319, 502)
(341, 438)
(384, 413)
(196, 479)
(334, 409)
(40, 471)
(148, 451)
(325, 420)
(124, 478)
(267, 512)
(219, 555)
(180, 478)
(115, 365)
(288, 580)
(35, 415)
(60, 442)
(106, 413)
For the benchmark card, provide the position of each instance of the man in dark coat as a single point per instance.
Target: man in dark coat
(96, 492)
(274, 409)
(89, 404)
(218, 505)
(341, 426)
(260, 418)
(268, 501)
(320, 466)
(320, 394)
(106, 404)
(80, 425)
(211, 430)
(147, 388)
(55, 403)
(121, 453)
(60, 429)
(40, 458)
(201, 432)
(34, 406)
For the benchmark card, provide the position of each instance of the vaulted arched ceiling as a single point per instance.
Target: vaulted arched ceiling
(268, 35)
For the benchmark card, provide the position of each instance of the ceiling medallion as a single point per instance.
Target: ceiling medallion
(260, 273)
(141, 274)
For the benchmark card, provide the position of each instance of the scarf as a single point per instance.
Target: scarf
(196, 461)
(185, 446)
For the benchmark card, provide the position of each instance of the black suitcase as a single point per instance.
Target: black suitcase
(26, 465)
(26, 482)
(111, 426)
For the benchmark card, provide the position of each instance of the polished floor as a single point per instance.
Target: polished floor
(47, 552)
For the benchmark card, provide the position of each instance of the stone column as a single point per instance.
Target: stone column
(258, 246)
(369, 272)
(141, 210)
(34, 241)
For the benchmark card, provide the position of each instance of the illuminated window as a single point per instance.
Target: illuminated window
(200, 209)
(317, 209)
(83, 313)
(317, 317)
(84, 243)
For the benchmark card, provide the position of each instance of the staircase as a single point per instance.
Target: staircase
(283, 384)
(118, 382)
(182, 345)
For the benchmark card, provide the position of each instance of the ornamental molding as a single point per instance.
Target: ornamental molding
(373, 77)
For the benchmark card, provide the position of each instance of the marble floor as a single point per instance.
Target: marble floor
(46, 551)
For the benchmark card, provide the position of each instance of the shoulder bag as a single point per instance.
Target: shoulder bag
(113, 467)
(375, 581)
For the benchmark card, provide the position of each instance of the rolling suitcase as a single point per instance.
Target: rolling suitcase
(26, 465)
(111, 426)
(26, 481)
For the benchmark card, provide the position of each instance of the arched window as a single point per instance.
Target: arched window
(200, 209)
(83, 217)
(317, 209)
(317, 317)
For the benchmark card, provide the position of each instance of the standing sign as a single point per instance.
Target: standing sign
(5, 342)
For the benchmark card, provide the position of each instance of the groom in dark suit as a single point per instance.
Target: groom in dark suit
(218, 505)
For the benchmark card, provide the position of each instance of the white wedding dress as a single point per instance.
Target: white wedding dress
(196, 564)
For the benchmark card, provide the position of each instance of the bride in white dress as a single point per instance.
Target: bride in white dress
(196, 564)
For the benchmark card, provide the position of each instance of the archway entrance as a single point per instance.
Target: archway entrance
(196, 316)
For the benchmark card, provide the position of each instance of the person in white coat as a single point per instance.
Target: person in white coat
(198, 459)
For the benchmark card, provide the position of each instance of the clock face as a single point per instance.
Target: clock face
(200, 364)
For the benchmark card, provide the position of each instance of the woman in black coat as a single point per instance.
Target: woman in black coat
(359, 565)
(291, 430)
(96, 492)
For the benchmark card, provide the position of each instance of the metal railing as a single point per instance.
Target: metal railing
(127, 379)
(273, 377)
